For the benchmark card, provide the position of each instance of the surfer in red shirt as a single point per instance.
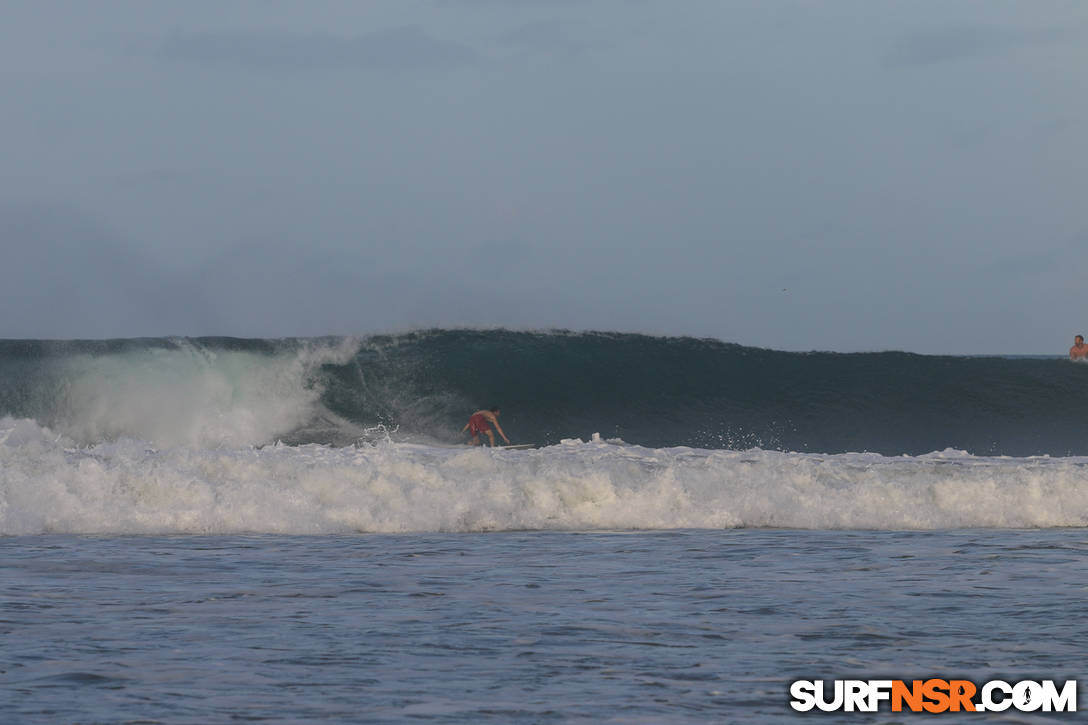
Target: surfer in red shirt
(478, 424)
(1079, 351)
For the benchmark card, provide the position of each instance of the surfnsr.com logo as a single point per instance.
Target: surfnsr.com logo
(933, 695)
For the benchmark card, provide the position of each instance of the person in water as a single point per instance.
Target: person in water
(478, 424)
(1079, 351)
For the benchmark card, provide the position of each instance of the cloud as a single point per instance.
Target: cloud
(399, 48)
(945, 45)
(65, 274)
(542, 36)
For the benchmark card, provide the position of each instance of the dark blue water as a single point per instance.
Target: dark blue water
(667, 627)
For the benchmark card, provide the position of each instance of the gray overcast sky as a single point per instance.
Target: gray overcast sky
(850, 175)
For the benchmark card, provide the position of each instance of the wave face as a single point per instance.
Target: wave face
(651, 391)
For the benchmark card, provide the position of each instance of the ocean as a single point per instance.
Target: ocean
(202, 530)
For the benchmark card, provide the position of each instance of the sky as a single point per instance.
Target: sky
(848, 175)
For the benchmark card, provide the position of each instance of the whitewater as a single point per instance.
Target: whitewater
(132, 487)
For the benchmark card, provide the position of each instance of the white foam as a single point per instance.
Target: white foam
(192, 396)
(131, 487)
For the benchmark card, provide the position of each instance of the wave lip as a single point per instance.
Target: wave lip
(128, 487)
(178, 391)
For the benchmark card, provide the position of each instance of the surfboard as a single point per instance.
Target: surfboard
(461, 446)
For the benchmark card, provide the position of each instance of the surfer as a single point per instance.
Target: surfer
(1079, 351)
(479, 421)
